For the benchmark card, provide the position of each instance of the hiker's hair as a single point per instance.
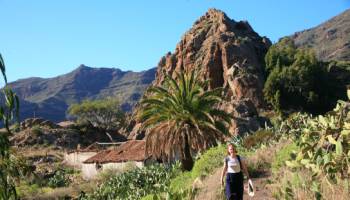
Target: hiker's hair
(233, 146)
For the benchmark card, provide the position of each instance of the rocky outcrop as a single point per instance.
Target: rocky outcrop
(231, 55)
(227, 52)
(246, 118)
(40, 132)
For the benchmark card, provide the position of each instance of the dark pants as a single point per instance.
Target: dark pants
(234, 186)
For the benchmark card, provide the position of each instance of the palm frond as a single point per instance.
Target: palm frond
(3, 69)
(180, 113)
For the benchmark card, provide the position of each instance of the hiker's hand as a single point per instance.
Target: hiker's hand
(246, 187)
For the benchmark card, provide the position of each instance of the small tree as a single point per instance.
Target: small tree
(104, 114)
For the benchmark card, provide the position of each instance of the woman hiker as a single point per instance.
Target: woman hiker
(233, 167)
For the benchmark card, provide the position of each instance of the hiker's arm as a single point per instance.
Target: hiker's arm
(224, 169)
(245, 169)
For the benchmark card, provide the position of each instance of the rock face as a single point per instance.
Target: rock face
(330, 40)
(231, 55)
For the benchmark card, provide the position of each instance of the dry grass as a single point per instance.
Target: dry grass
(299, 186)
(259, 163)
(38, 152)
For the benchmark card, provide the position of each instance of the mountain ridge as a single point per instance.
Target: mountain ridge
(330, 39)
(50, 97)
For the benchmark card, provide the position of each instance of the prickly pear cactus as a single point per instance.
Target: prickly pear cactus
(324, 142)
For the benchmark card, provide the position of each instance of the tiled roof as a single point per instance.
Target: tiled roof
(132, 150)
(94, 147)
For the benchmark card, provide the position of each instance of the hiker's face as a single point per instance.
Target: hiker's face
(231, 149)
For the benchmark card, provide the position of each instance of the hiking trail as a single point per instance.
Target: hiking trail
(210, 187)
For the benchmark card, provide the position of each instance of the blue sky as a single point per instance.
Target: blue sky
(47, 38)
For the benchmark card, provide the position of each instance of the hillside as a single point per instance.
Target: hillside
(330, 40)
(49, 98)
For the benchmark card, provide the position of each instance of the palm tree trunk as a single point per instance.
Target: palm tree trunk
(186, 160)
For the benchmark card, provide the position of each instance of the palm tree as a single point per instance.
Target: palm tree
(182, 118)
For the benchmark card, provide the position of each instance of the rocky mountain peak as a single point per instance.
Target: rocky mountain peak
(224, 50)
(228, 53)
(213, 15)
(82, 67)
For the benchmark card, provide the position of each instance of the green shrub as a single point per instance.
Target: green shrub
(36, 130)
(181, 181)
(59, 180)
(179, 195)
(259, 137)
(286, 153)
(204, 165)
(210, 160)
(26, 189)
(149, 197)
(135, 184)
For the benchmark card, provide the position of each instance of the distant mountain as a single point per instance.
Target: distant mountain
(330, 40)
(49, 98)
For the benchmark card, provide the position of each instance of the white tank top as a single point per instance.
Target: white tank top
(233, 165)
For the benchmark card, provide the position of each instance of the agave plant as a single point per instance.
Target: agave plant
(182, 118)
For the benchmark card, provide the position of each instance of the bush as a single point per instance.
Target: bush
(59, 180)
(135, 184)
(259, 137)
(301, 184)
(286, 153)
(324, 144)
(182, 181)
(36, 131)
(204, 165)
(210, 160)
(26, 189)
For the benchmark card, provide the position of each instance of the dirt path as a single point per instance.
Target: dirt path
(210, 188)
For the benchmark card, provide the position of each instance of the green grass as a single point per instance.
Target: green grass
(282, 156)
(204, 166)
(182, 181)
(210, 160)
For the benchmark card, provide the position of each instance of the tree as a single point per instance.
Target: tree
(181, 118)
(9, 168)
(298, 81)
(280, 54)
(104, 114)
